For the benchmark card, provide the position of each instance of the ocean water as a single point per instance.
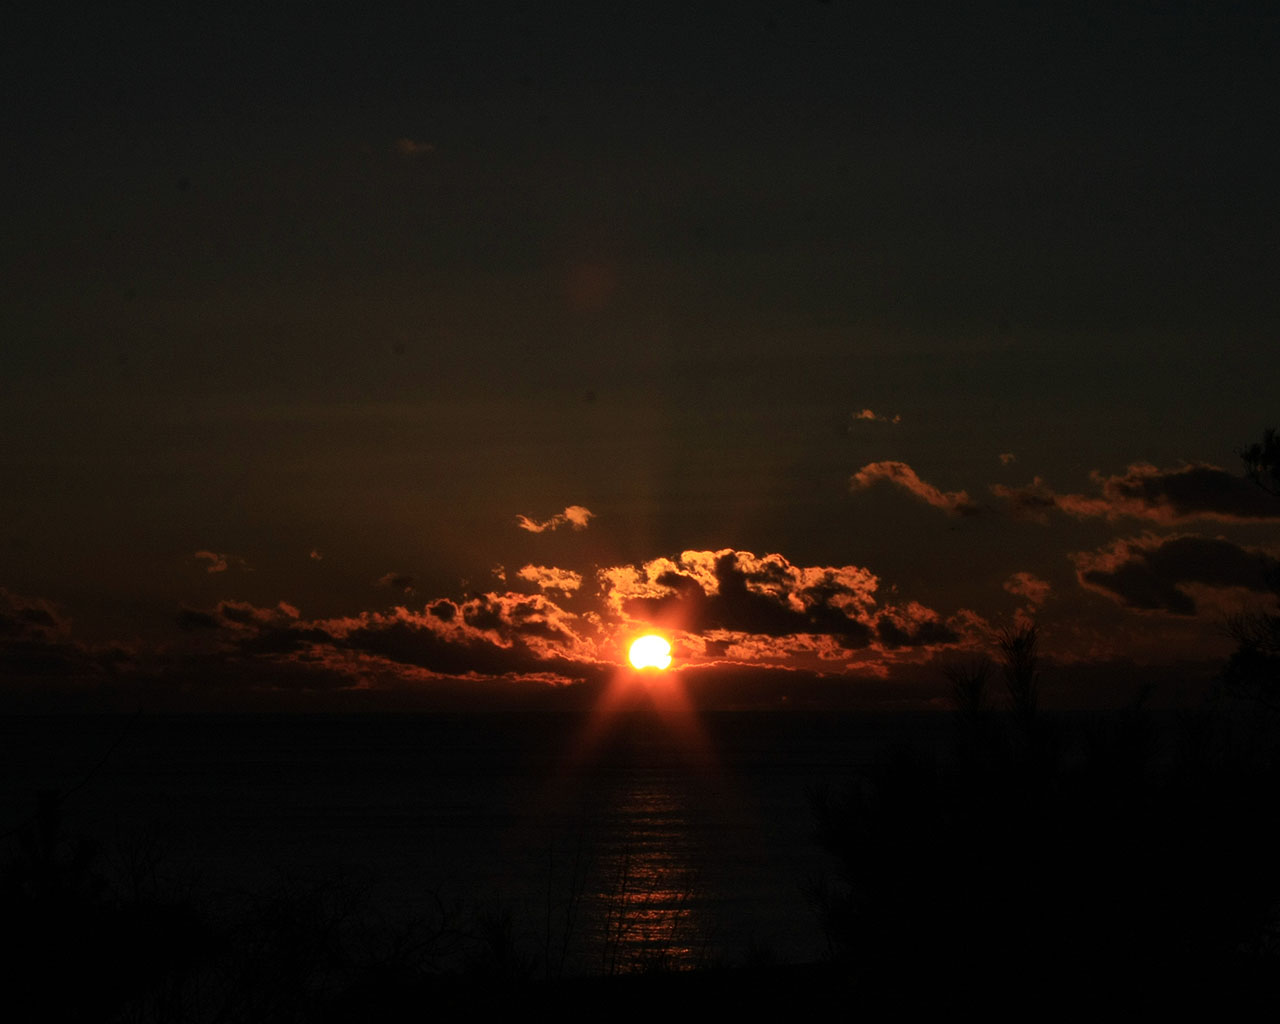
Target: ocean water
(590, 846)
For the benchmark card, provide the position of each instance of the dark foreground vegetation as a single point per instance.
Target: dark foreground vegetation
(1059, 860)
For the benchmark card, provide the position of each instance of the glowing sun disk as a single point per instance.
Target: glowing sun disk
(650, 651)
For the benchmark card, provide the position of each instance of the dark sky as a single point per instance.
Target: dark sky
(856, 332)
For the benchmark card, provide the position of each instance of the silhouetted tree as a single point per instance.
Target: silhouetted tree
(1253, 670)
(1021, 670)
(969, 697)
(1262, 461)
(969, 686)
(1055, 852)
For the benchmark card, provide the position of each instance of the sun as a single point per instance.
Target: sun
(650, 651)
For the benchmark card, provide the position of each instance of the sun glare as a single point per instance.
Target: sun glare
(650, 651)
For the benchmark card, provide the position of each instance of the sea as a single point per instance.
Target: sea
(580, 845)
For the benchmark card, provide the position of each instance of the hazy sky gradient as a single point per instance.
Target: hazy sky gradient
(319, 307)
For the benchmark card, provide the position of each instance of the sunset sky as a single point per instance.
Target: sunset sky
(424, 357)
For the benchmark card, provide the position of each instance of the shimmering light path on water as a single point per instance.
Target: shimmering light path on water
(636, 853)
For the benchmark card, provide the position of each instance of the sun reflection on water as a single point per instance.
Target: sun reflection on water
(645, 901)
(648, 898)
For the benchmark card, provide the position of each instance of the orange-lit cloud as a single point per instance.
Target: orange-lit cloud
(489, 635)
(850, 589)
(1029, 587)
(956, 503)
(1034, 592)
(763, 607)
(874, 417)
(1143, 491)
(1153, 573)
(725, 611)
(913, 625)
(723, 607)
(222, 562)
(504, 617)
(1007, 458)
(728, 611)
(550, 578)
(575, 516)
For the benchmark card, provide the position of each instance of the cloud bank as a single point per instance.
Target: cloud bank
(1166, 497)
(1151, 573)
(758, 607)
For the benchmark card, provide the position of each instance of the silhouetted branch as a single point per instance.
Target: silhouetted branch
(1262, 461)
(1253, 671)
(1021, 669)
(969, 685)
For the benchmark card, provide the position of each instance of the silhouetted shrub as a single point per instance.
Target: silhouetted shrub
(1093, 861)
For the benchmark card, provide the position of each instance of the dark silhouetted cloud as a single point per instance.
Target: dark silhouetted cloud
(1164, 496)
(486, 635)
(193, 618)
(1151, 573)
(1034, 501)
(28, 617)
(35, 643)
(444, 610)
(399, 581)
